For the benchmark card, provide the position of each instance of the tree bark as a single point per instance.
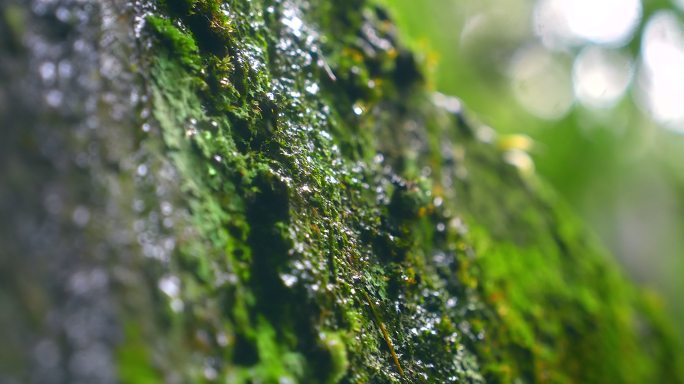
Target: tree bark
(268, 192)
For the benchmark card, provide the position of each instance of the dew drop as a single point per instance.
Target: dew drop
(288, 280)
(358, 110)
(47, 72)
(170, 285)
(312, 88)
(81, 216)
(142, 170)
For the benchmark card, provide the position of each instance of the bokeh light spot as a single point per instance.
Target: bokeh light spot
(605, 21)
(661, 77)
(567, 22)
(600, 76)
(541, 83)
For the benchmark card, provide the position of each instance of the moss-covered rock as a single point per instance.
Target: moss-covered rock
(272, 195)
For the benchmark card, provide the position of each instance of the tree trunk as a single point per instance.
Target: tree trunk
(267, 192)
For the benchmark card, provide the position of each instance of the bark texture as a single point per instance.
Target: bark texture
(266, 191)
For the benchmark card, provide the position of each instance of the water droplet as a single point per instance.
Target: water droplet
(292, 21)
(210, 372)
(65, 69)
(81, 216)
(170, 285)
(47, 72)
(54, 98)
(312, 88)
(191, 128)
(438, 201)
(63, 14)
(177, 305)
(358, 109)
(166, 208)
(138, 205)
(168, 223)
(222, 339)
(142, 170)
(288, 280)
(450, 103)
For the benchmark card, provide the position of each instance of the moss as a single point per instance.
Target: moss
(178, 42)
(340, 225)
(134, 358)
(13, 27)
(338, 363)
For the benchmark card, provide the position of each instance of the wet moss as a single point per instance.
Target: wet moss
(340, 225)
(177, 41)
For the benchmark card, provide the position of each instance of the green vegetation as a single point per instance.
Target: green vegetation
(348, 226)
(280, 198)
(605, 150)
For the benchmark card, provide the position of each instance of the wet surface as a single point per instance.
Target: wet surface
(201, 191)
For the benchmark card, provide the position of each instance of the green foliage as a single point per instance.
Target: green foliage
(178, 42)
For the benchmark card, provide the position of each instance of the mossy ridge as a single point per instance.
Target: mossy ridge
(556, 308)
(273, 128)
(335, 197)
(565, 311)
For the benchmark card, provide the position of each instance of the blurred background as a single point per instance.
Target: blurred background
(598, 86)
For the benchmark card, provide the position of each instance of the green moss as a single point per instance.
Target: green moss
(133, 356)
(334, 345)
(177, 41)
(339, 225)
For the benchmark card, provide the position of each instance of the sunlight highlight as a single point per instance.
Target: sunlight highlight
(662, 75)
(561, 23)
(541, 83)
(605, 21)
(600, 76)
